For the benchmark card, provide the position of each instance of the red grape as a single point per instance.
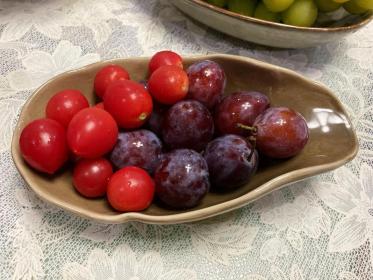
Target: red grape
(231, 160)
(281, 132)
(182, 179)
(206, 82)
(239, 108)
(188, 124)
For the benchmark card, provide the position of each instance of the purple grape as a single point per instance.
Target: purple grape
(156, 118)
(231, 161)
(182, 179)
(188, 124)
(239, 108)
(206, 82)
(281, 132)
(140, 148)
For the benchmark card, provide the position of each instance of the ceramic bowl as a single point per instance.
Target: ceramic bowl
(270, 33)
(332, 140)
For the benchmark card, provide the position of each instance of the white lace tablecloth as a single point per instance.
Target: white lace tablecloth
(321, 228)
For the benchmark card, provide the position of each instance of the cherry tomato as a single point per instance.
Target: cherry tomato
(106, 76)
(129, 103)
(168, 84)
(130, 189)
(91, 176)
(64, 105)
(92, 133)
(165, 58)
(43, 145)
(100, 106)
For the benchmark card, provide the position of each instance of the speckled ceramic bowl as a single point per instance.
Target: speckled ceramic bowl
(332, 140)
(270, 33)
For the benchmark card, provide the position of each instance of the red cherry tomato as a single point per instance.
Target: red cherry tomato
(92, 133)
(130, 189)
(43, 145)
(64, 105)
(100, 106)
(168, 84)
(106, 76)
(165, 58)
(91, 176)
(129, 103)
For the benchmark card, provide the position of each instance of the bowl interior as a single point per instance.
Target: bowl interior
(332, 140)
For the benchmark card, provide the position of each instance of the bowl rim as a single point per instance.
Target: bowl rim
(191, 215)
(281, 25)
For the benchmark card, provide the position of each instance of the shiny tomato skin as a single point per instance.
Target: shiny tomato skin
(168, 84)
(100, 105)
(107, 75)
(91, 176)
(163, 58)
(43, 145)
(92, 133)
(65, 104)
(129, 103)
(130, 189)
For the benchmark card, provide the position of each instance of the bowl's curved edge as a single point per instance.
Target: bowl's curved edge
(192, 215)
(281, 25)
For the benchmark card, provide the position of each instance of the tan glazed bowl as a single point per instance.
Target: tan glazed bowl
(270, 33)
(332, 140)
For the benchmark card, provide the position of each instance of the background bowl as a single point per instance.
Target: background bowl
(332, 140)
(271, 33)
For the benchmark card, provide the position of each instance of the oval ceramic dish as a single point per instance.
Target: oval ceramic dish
(332, 140)
(271, 33)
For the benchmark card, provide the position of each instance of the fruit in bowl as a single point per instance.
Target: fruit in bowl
(292, 12)
(192, 159)
(141, 176)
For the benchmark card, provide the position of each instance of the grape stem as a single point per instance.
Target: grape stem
(251, 139)
(246, 127)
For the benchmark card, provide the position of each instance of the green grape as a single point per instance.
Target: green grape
(277, 5)
(262, 12)
(327, 6)
(243, 7)
(301, 13)
(219, 3)
(366, 4)
(353, 8)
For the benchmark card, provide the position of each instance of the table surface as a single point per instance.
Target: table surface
(320, 228)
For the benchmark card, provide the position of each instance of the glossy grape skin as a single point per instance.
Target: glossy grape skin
(278, 5)
(353, 7)
(156, 118)
(239, 107)
(262, 12)
(281, 132)
(187, 124)
(207, 82)
(242, 7)
(182, 179)
(301, 13)
(365, 4)
(231, 161)
(141, 148)
(327, 6)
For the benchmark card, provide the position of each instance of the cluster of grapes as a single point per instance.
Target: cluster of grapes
(210, 139)
(173, 135)
(293, 12)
